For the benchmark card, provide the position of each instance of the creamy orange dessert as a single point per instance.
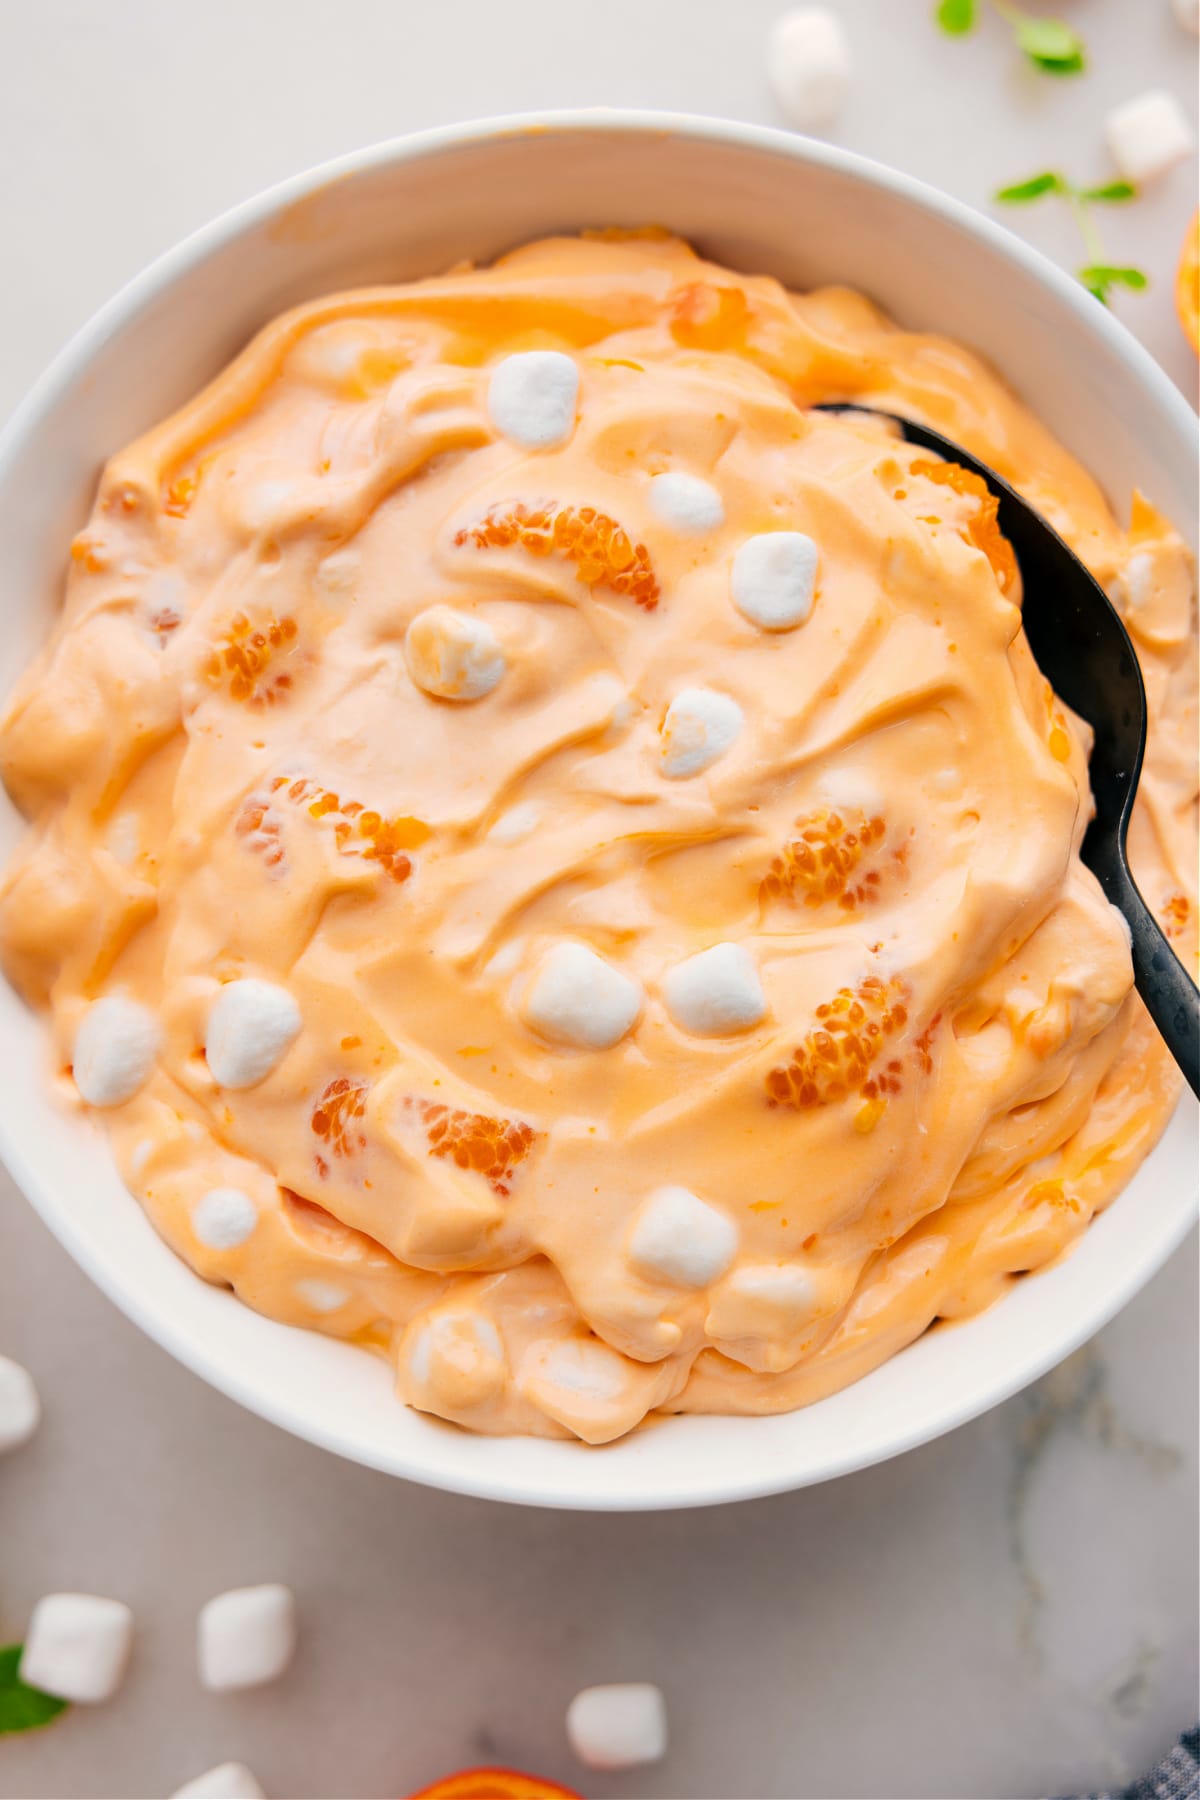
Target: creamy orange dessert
(553, 861)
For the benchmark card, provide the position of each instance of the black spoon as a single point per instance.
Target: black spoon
(1084, 651)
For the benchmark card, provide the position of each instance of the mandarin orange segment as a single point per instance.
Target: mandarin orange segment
(819, 864)
(335, 1117)
(247, 660)
(705, 317)
(1187, 284)
(1176, 913)
(843, 1052)
(262, 829)
(495, 1784)
(493, 1147)
(357, 830)
(601, 551)
(179, 496)
(982, 528)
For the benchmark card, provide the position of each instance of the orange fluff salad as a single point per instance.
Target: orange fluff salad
(552, 861)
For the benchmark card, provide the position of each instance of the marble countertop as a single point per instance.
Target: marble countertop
(1009, 1611)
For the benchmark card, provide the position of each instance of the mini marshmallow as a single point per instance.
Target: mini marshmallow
(1188, 14)
(224, 1218)
(77, 1647)
(452, 655)
(619, 1727)
(20, 1408)
(699, 728)
(717, 993)
(114, 1052)
(228, 1781)
(679, 1238)
(250, 1027)
(121, 838)
(774, 579)
(685, 502)
(322, 1296)
(1147, 135)
(786, 1293)
(246, 1637)
(808, 66)
(589, 1371)
(517, 823)
(458, 1355)
(579, 999)
(532, 398)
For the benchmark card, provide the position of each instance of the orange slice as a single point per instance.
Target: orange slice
(1187, 284)
(495, 1784)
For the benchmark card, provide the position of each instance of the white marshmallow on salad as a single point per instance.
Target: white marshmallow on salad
(716, 993)
(453, 655)
(578, 998)
(699, 727)
(679, 1238)
(686, 503)
(114, 1052)
(224, 1218)
(774, 579)
(532, 398)
(246, 1637)
(1147, 135)
(809, 65)
(251, 1026)
(20, 1408)
(623, 1726)
(77, 1647)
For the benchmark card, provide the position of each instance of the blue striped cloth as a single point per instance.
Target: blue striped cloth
(1177, 1777)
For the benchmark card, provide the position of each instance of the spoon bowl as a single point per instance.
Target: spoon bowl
(1081, 645)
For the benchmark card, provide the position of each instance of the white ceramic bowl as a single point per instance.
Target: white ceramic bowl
(759, 201)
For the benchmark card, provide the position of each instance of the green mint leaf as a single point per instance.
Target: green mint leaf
(1111, 275)
(1051, 45)
(1112, 190)
(23, 1708)
(956, 16)
(1033, 189)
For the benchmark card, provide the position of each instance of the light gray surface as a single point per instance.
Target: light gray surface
(1011, 1611)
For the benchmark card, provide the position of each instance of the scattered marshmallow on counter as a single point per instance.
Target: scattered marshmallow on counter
(684, 501)
(682, 1239)
(20, 1408)
(808, 66)
(618, 1727)
(1188, 14)
(77, 1647)
(114, 1052)
(1147, 135)
(452, 655)
(579, 999)
(532, 398)
(699, 728)
(224, 1218)
(246, 1637)
(250, 1027)
(717, 993)
(228, 1781)
(774, 579)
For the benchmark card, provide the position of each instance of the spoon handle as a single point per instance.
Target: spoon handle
(1169, 994)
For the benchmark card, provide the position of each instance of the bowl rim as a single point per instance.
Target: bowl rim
(730, 1482)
